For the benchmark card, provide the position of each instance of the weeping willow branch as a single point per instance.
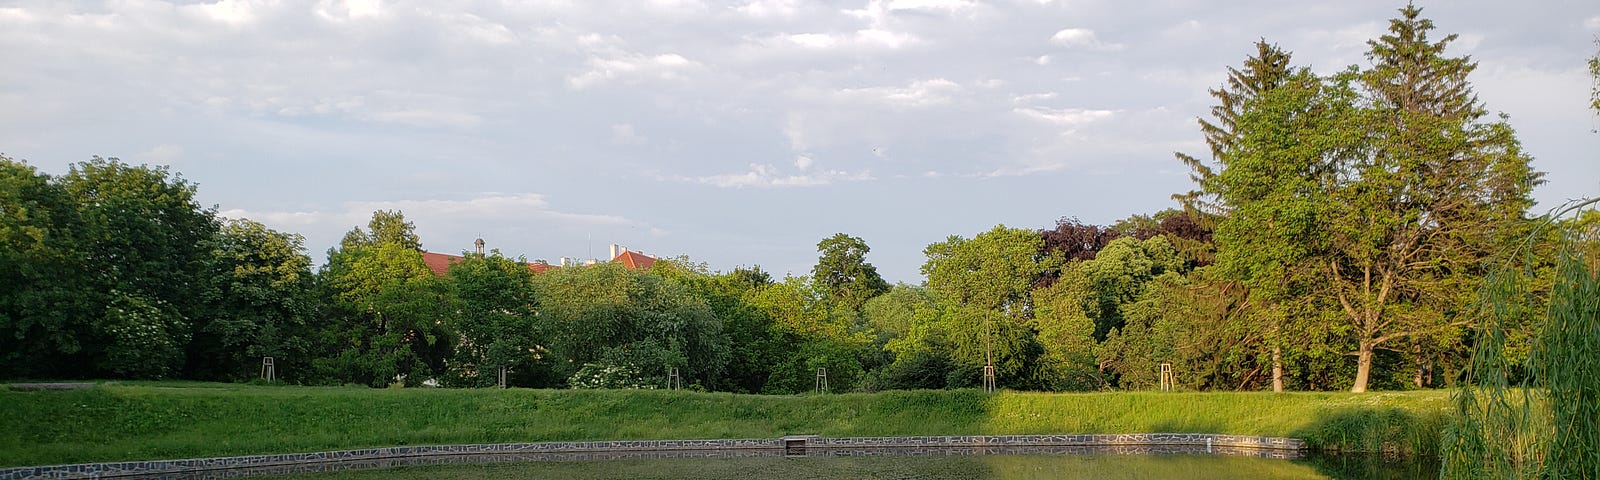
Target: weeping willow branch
(1538, 417)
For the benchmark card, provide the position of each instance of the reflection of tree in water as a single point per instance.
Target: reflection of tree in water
(1373, 467)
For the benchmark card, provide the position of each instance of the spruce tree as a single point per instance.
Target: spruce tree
(1430, 192)
(1266, 70)
(1220, 194)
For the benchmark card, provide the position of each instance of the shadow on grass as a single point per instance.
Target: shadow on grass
(1376, 430)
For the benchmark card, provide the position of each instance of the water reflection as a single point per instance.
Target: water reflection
(999, 463)
(1375, 467)
(964, 465)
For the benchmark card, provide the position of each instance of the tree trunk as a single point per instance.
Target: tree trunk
(1363, 367)
(1422, 366)
(1277, 369)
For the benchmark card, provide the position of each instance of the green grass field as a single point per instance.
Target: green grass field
(134, 421)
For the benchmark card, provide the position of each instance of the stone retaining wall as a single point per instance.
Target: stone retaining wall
(1273, 443)
(254, 465)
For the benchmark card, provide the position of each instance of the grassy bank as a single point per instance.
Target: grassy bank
(141, 422)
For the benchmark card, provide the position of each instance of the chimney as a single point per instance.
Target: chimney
(614, 252)
(479, 244)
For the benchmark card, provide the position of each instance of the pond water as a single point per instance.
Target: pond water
(886, 465)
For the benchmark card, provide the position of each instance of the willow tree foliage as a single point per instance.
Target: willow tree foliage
(1594, 73)
(985, 285)
(815, 333)
(611, 316)
(1547, 425)
(993, 270)
(755, 345)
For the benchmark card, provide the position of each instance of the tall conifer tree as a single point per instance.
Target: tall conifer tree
(1433, 191)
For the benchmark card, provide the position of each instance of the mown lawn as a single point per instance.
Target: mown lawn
(131, 421)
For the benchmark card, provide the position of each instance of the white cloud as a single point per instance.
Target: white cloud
(471, 26)
(388, 99)
(945, 5)
(15, 14)
(1082, 38)
(231, 12)
(770, 8)
(501, 207)
(920, 93)
(623, 134)
(766, 176)
(868, 38)
(161, 154)
(292, 221)
(341, 11)
(1066, 117)
(487, 206)
(885, 38)
(679, 5)
(423, 117)
(515, 221)
(1032, 97)
(666, 66)
(814, 40)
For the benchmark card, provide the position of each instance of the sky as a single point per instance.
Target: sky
(738, 133)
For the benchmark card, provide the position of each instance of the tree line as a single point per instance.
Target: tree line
(1339, 230)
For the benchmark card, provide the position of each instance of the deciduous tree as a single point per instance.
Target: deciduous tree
(613, 316)
(843, 272)
(149, 243)
(1436, 188)
(495, 312)
(264, 292)
(46, 306)
(394, 307)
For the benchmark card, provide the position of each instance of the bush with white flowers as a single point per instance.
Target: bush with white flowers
(602, 375)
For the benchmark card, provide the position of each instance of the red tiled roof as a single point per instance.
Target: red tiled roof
(440, 263)
(634, 260)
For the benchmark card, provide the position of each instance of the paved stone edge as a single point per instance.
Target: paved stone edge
(1219, 440)
(158, 467)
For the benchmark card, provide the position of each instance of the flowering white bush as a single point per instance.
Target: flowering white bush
(597, 375)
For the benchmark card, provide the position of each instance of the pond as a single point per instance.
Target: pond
(970, 463)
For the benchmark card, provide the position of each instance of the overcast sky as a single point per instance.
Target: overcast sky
(737, 133)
